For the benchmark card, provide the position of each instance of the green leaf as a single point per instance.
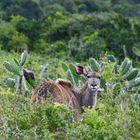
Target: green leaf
(111, 58)
(136, 51)
(10, 82)
(23, 58)
(94, 64)
(72, 68)
(64, 66)
(12, 66)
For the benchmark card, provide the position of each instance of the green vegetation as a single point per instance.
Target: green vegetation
(58, 34)
(115, 117)
(75, 28)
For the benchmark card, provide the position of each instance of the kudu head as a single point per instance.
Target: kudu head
(88, 94)
(93, 80)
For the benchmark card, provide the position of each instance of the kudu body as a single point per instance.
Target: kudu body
(62, 91)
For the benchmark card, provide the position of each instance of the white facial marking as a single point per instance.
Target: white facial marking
(94, 88)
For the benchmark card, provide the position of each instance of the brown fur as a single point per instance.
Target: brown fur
(64, 83)
(60, 91)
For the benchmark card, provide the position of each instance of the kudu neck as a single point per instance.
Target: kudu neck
(87, 97)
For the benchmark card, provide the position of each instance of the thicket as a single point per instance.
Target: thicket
(116, 115)
(113, 119)
(75, 28)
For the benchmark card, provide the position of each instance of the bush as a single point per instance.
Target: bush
(112, 119)
(11, 39)
(88, 46)
(115, 117)
(117, 32)
(21, 120)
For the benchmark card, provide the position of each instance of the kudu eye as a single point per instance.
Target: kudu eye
(99, 77)
(88, 76)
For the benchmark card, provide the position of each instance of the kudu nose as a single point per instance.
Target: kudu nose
(93, 86)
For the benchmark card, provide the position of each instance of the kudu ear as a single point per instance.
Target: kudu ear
(81, 70)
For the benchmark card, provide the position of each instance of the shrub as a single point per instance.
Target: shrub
(88, 46)
(57, 49)
(21, 120)
(11, 39)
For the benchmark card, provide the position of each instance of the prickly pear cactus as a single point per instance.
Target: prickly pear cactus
(16, 67)
(12, 66)
(23, 58)
(128, 76)
(125, 78)
(119, 78)
(75, 78)
(136, 51)
(111, 58)
(43, 72)
(10, 82)
(94, 64)
(72, 75)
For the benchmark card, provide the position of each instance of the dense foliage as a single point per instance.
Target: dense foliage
(75, 28)
(115, 117)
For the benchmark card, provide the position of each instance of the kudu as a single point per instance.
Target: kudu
(62, 91)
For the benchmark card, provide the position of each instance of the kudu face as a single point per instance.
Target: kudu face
(93, 81)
